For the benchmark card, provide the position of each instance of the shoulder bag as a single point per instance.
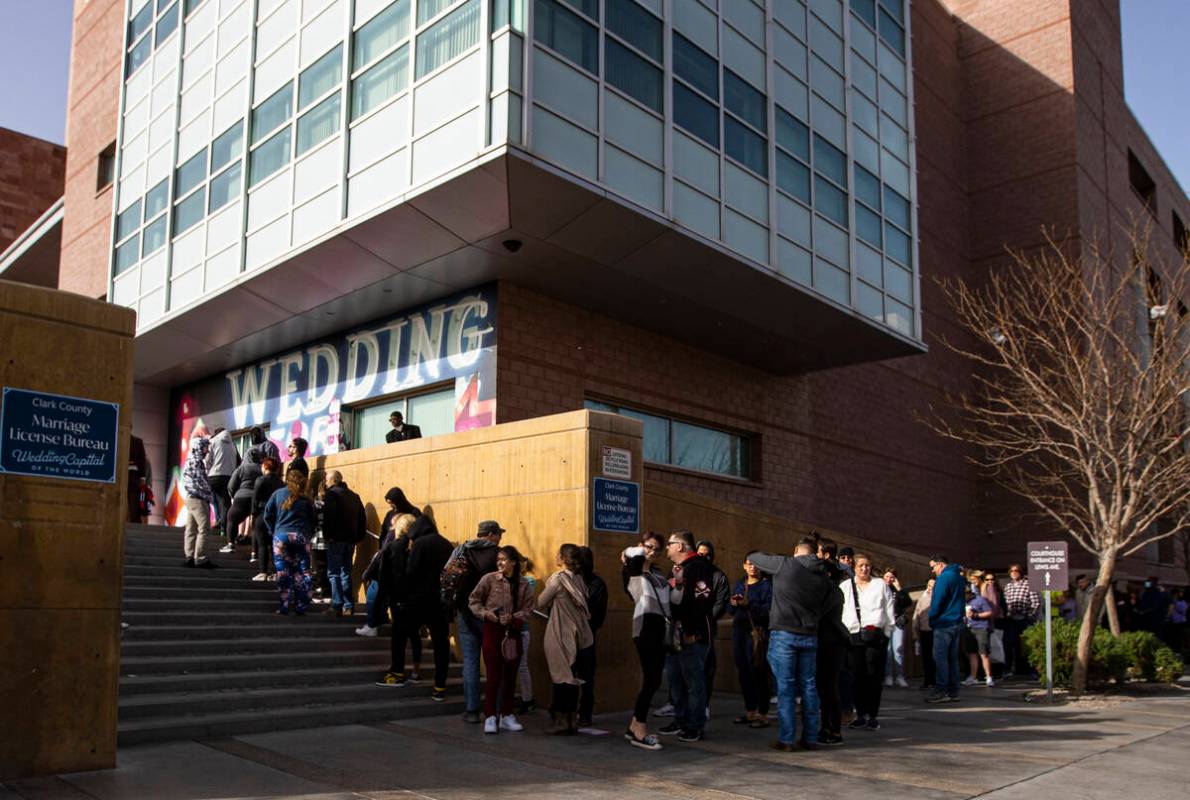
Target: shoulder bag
(865, 637)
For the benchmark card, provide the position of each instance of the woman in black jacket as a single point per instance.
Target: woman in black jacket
(392, 528)
(268, 483)
(241, 488)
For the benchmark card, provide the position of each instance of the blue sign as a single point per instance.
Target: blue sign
(617, 506)
(55, 436)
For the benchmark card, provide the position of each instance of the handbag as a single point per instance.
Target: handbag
(865, 637)
(508, 647)
(996, 646)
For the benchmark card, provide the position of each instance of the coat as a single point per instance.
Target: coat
(493, 597)
(569, 628)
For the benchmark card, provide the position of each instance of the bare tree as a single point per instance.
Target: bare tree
(1081, 379)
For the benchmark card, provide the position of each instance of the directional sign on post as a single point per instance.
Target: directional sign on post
(1048, 566)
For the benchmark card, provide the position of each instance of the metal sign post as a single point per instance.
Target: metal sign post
(1048, 563)
(1049, 652)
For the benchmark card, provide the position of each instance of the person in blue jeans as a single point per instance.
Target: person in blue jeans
(344, 523)
(479, 557)
(692, 599)
(801, 588)
(946, 621)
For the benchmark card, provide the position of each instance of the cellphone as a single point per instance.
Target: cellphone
(737, 597)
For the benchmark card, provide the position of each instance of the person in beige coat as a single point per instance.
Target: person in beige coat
(568, 631)
(504, 614)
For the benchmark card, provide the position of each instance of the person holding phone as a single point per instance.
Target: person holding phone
(751, 598)
(649, 590)
(503, 600)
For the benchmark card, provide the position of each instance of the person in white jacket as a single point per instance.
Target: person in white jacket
(869, 616)
(222, 460)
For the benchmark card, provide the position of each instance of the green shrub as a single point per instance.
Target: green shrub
(1168, 666)
(1109, 658)
(1142, 648)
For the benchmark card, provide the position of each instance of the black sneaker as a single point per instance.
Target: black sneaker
(670, 729)
(188, 562)
(391, 680)
(803, 745)
(829, 739)
(873, 724)
(858, 722)
(206, 565)
(471, 717)
(526, 707)
(690, 736)
(438, 695)
(936, 697)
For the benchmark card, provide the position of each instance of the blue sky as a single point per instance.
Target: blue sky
(35, 50)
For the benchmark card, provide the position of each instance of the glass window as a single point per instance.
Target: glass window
(318, 124)
(428, 9)
(191, 174)
(830, 160)
(267, 116)
(696, 115)
(896, 8)
(898, 245)
(740, 98)
(127, 254)
(140, 23)
(229, 145)
(190, 5)
(793, 177)
(380, 83)
(433, 413)
(566, 33)
(656, 430)
(154, 236)
(865, 10)
(128, 221)
(632, 74)
(138, 55)
(792, 134)
(167, 24)
(189, 212)
(633, 24)
(829, 200)
(695, 66)
(157, 199)
(867, 187)
(892, 33)
(371, 423)
(745, 146)
(225, 187)
(318, 78)
(449, 38)
(588, 7)
(896, 207)
(867, 224)
(380, 33)
(707, 450)
(269, 157)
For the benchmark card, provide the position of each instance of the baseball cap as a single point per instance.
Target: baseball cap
(489, 527)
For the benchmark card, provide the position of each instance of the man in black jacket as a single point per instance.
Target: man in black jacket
(722, 588)
(692, 600)
(344, 525)
(480, 556)
(833, 639)
(801, 588)
(401, 432)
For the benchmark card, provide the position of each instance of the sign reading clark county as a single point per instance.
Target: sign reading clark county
(617, 506)
(56, 436)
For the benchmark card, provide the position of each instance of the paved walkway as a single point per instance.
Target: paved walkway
(991, 745)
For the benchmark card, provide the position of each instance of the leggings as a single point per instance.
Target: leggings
(650, 649)
(241, 507)
(829, 666)
(867, 665)
(291, 556)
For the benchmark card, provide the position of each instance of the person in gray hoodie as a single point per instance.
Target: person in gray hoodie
(801, 588)
(222, 460)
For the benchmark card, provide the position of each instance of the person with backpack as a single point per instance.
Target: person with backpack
(585, 664)
(503, 600)
(469, 562)
(344, 524)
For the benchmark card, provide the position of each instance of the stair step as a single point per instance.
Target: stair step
(174, 571)
(213, 582)
(244, 722)
(278, 628)
(237, 616)
(181, 704)
(268, 644)
(214, 604)
(165, 560)
(343, 673)
(244, 589)
(273, 662)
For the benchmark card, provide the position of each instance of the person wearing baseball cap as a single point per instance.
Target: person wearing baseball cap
(469, 562)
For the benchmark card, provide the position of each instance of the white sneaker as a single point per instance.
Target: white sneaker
(970, 681)
(227, 549)
(708, 712)
(904, 684)
(508, 723)
(666, 710)
(888, 680)
(365, 630)
(259, 577)
(252, 559)
(491, 725)
(989, 682)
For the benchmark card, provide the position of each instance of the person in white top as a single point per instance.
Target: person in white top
(869, 616)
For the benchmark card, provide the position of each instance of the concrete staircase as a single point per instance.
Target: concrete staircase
(203, 655)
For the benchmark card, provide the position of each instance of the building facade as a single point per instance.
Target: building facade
(727, 219)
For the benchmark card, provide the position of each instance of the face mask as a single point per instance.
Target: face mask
(1148, 584)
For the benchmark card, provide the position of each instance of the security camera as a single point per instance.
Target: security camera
(512, 245)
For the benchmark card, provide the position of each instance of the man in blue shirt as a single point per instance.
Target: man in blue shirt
(946, 621)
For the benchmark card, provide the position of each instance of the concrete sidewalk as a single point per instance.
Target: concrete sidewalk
(989, 745)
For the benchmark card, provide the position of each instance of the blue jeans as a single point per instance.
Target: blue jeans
(894, 664)
(338, 572)
(377, 605)
(471, 643)
(687, 675)
(946, 659)
(794, 659)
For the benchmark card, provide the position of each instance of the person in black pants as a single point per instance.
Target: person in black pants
(833, 640)
(649, 590)
(585, 658)
(269, 482)
(869, 616)
(751, 598)
(242, 488)
(722, 592)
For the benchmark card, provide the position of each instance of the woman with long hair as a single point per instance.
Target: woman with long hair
(751, 599)
(289, 518)
(503, 600)
(649, 590)
(567, 632)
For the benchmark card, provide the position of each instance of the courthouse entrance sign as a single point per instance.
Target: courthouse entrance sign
(1048, 572)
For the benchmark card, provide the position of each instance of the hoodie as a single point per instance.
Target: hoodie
(223, 457)
(428, 553)
(946, 604)
(801, 588)
(243, 480)
(194, 472)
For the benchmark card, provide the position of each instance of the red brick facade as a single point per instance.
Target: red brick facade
(31, 176)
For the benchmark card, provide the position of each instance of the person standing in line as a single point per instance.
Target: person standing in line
(847, 561)
(420, 603)
(692, 601)
(894, 667)
(392, 575)
(946, 621)
(869, 617)
(923, 636)
(503, 600)
(567, 632)
(801, 589)
(722, 592)
(322, 581)
(649, 590)
(1151, 611)
(242, 488)
(268, 483)
(469, 562)
(297, 456)
(264, 444)
(289, 517)
(1021, 605)
(401, 432)
(977, 637)
(830, 663)
(750, 601)
(525, 702)
(138, 471)
(198, 504)
(597, 605)
(394, 527)
(222, 459)
(828, 551)
(344, 524)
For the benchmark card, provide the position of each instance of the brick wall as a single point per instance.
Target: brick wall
(31, 176)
